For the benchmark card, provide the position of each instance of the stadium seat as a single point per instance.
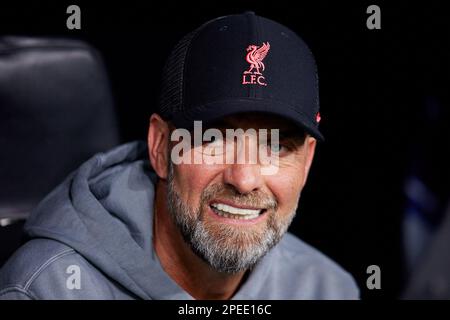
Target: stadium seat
(56, 110)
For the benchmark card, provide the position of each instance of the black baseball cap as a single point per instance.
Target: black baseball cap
(241, 63)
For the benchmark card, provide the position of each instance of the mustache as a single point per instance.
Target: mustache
(255, 198)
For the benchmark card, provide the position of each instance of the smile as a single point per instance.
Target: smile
(231, 212)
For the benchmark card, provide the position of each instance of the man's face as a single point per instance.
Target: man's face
(231, 214)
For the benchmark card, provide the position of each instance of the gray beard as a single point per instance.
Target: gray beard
(226, 248)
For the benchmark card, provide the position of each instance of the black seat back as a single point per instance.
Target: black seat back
(56, 110)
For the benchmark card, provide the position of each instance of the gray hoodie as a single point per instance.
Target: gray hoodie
(91, 238)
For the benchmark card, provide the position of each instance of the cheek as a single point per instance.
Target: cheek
(191, 180)
(286, 186)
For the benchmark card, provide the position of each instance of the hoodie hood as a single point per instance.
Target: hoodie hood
(104, 211)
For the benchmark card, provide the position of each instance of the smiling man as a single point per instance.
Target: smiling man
(144, 222)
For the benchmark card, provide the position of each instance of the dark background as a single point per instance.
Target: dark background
(374, 88)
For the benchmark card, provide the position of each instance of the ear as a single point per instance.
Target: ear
(310, 149)
(157, 141)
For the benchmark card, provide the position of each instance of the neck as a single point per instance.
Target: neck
(188, 270)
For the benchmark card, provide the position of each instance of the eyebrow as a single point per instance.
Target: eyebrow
(291, 133)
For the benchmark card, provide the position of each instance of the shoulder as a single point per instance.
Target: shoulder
(46, 269)
(311, 273)
(27, 264)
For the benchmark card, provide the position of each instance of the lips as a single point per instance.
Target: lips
(234, 212)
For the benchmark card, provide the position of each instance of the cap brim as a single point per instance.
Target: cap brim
(219, 109)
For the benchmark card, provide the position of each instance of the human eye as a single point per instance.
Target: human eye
(279, 148)
(214, 141)
(276, 149)
(213, 146)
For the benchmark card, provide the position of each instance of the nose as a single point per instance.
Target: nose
(244, 177)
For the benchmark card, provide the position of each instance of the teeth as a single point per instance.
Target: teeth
(232, 216)
(229, 209)
(236, 213)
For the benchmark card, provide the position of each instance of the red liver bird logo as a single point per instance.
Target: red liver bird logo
(255, 56)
